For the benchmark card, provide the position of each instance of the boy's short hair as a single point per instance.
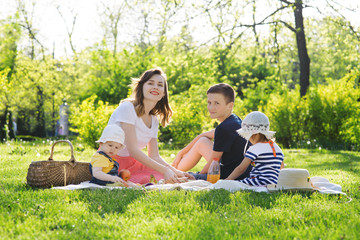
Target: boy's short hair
(225, 89)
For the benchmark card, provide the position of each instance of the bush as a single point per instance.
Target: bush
(287, 117)
(327, 115)
(90, 118)
(190, 117)
(341, 112)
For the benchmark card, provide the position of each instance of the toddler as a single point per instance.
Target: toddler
(264, 155)
(103, 168)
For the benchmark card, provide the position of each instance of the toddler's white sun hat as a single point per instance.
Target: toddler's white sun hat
(253, 123)
(113, 133)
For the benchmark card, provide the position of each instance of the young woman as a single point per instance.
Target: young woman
(138, 117)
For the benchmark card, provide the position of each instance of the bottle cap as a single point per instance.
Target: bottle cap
(216, 159)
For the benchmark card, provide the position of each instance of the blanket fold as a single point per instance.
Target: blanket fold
(321, 185)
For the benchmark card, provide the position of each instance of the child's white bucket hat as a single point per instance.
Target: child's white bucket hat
(113, 133)
(253, 123)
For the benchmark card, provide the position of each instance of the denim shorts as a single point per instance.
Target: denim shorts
(203, 176)
(99, 182)
(199, 176)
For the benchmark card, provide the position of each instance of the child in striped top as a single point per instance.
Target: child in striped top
(264, 155)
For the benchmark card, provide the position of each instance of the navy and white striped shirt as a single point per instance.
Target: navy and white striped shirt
(266, 163)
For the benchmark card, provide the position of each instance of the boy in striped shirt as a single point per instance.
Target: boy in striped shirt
(264, 155)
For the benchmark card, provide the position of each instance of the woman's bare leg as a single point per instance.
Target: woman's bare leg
(202, 148)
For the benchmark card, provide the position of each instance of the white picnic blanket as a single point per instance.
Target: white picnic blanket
(322, 185)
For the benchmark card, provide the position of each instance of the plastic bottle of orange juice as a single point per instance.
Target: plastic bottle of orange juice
(214, 171)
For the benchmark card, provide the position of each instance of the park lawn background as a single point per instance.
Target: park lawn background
(27, 213)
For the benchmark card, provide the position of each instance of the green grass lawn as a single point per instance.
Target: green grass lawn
(27, 213)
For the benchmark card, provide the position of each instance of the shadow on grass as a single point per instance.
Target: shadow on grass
(109, 201)
(99, 201)
(215, 199)
(212, 200)
(347, 162)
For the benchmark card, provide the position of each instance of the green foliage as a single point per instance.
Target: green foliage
(258, 96)
(6, 88)
(27, 213)
(36, 108)
(109, 76)
(340, 101)
(327, 115)
(350, 130)
(10, 34)
(250, 73)
(334, 49)
(264, 74)
(5, 93)
(287, 117)
(90, 118)
(187, 69)
(190, 118)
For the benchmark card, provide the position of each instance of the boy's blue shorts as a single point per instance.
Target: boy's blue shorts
(199, 176)
(203, 176)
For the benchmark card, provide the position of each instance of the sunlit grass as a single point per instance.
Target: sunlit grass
(28, 213)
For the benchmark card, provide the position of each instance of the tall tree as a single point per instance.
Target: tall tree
(332, 36)
(157, 18)
(230, 33)
(70, 30)
(169, 9)
(229, 38)
(111, 20)
(26, 22)
(303, 55)
(10, 33)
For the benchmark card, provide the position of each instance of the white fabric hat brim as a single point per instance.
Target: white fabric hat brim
(112, 133)
(247, 134)
(113, 139)
(255, 122)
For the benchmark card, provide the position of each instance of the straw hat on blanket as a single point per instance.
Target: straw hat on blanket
(292, 179)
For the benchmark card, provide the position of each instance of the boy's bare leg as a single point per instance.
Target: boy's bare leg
(202, 148)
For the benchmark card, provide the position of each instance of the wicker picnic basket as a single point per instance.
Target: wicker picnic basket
(45, 174)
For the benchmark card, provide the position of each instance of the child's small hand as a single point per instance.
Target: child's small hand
(118, 179)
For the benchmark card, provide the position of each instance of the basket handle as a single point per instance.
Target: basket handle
(72, 158)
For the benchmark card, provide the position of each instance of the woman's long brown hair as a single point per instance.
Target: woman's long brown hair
(162, 107)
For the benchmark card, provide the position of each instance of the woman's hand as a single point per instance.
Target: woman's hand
(189, 176)
(170, 176)
(183, 176)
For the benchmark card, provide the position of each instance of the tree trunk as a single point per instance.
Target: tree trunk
(302, 50)
(3, 127)
(11, 126)
(40, 117)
